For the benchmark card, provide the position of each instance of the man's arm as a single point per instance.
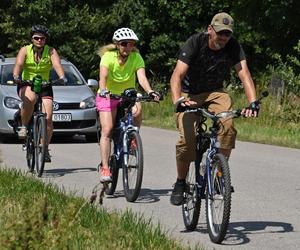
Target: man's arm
(178, 74)
(245, 76)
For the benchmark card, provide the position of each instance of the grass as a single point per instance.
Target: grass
(34, 215)
(277, 123)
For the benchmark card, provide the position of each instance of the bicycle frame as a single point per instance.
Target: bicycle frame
(122, 127)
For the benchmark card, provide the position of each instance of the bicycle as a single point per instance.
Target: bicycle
(36, 140)
(127, 149)
(209, 179)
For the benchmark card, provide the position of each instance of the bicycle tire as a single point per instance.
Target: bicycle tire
(30, 156)
(40, 142)
(133, 170)
(191, 201)
(114, 169)
(219, 199)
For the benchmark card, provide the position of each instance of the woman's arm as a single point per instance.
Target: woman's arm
(19, 63)
(55, 59)
(143, 81)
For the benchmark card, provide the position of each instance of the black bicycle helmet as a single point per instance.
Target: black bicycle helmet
(40, 29)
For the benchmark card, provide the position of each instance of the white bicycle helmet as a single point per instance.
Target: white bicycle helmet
(124, 34)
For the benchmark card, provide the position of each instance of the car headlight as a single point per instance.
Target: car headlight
(12, 103)
(88, 103)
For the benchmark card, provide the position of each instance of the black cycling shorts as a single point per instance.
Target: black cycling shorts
(47, 92)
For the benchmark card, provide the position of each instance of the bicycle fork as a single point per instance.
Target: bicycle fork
(125, 142)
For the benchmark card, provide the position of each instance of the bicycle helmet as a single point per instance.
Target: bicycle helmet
(124, 34)
(40, 29)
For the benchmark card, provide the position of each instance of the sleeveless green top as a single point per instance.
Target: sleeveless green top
(31, 68)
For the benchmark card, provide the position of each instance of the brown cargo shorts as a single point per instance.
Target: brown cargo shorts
(216, 101)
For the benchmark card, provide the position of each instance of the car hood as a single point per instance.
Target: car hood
(71, 93)
(8, 90)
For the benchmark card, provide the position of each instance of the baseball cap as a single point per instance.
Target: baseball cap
(222, 21)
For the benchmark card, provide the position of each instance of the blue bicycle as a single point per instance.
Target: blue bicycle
(209, 179)
(127, 148)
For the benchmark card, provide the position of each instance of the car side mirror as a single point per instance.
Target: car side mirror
(92, 83)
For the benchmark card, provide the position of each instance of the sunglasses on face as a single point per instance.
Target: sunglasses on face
(226, 33)
(127, 44)
(37, 38)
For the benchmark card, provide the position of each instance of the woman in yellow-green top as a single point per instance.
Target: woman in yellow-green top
(36, 59)
(120, 65)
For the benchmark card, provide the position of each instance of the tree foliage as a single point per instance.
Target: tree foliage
(78, 28)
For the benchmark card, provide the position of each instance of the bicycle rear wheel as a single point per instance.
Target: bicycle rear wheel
(218, 199)
(30, 157)
(133, 170)
(40, 142)
(114, 169)
(191, 201)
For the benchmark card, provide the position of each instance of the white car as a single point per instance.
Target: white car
(74, 109)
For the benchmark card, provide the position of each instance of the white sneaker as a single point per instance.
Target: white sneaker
(22, 132)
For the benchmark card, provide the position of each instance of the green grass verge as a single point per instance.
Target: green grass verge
(274, 125)
(34, 215)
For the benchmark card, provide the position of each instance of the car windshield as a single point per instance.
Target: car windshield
(72, 75)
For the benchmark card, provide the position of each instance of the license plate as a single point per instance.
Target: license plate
(62, 117)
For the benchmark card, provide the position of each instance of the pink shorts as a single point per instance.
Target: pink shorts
(105, 105)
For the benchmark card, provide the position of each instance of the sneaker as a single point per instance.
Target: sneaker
(22, 132)
(47, 155)
(177, 193)
(105, 175)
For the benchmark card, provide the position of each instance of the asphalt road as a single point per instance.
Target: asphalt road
(265, 206)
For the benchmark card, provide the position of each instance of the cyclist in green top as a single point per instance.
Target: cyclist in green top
(120, 64)
(36, 59)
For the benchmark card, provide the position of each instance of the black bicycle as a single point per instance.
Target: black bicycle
(209, 179)
(127, 149)
(36, 140)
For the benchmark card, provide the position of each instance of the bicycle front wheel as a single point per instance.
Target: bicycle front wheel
(133, 167)
(218, 199)
(191, 201)
(40, 142)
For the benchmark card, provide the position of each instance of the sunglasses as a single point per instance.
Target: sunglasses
(226, 33)
(37, 38)
(127, 44)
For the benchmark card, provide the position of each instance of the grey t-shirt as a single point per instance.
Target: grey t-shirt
(208, 68)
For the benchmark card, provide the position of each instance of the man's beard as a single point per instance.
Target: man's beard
(217, 45)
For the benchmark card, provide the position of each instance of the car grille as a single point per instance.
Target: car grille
(74, 124)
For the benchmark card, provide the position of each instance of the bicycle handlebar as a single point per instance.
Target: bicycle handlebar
(224, 114)
(44, 84)
(138, 98)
